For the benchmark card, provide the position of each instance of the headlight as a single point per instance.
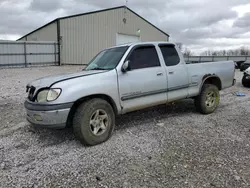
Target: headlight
(53, 94)
(42, 96)
(48, 95)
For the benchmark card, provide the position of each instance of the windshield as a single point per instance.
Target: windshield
(107, 59)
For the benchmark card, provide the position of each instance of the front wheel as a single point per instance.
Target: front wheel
(94, 122)
(208, 100)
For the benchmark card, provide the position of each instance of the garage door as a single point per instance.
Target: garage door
(123, 39)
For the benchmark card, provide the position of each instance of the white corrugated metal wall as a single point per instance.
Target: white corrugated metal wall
(24, 54)
(123, 38)
(84, 36)
(11, 54)
(46, 33)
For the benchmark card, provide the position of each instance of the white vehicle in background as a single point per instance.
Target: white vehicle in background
(246, 78)
(123, 79)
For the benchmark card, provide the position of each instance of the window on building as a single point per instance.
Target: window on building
(170, 55)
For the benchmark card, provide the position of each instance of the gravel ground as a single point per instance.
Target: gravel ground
(167, 146)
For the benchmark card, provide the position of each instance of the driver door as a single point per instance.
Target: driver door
(145, 84)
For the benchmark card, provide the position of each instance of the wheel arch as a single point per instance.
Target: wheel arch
(211, 79)
(86, 98)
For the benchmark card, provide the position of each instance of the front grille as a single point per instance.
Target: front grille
(31, 91)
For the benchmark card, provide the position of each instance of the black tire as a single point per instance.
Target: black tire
(81, 122)
(200, 100)
(245, 82)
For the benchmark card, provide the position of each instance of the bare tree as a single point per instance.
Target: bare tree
(180, 45)
(206, 53)
(244, 51)
(232, 52)
(215, 53)
(187, 52)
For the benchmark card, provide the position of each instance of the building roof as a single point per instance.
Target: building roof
(92, 12)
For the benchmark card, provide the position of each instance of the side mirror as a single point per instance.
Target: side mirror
(125, 66)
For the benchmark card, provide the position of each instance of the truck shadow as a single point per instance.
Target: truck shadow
(50, 137)
(155, 114)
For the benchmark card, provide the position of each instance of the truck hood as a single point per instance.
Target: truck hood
(48, 81)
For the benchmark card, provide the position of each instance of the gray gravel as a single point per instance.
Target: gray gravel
(167, 146)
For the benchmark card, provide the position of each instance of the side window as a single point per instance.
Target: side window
(144, 57)
(170, 55)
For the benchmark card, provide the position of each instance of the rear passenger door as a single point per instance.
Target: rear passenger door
(145, 83)
(177, 74)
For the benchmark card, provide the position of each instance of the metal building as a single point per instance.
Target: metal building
(82, 36)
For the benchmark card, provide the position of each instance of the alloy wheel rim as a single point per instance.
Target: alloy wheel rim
(99, 122)
(210, 99)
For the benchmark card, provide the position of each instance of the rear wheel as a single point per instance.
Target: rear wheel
(208, 100)
(94, 122)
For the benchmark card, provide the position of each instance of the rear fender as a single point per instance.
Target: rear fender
(211, 79)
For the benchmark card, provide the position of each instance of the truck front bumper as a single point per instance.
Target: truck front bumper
(47, 116)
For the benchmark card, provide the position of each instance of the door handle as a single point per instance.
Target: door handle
(171, 72)
(159, 74)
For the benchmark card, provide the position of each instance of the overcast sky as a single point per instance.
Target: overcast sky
(198, 24)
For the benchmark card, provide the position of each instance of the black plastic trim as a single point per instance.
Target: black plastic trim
(46, 107)
(134, 96)
(179, 87)
(92, 12)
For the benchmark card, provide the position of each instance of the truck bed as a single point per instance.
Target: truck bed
(219, 68)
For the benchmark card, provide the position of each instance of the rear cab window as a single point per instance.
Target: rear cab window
(170, 55)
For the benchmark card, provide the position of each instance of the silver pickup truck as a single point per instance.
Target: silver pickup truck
(122, 79)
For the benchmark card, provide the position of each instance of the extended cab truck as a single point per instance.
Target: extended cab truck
(120, 80)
